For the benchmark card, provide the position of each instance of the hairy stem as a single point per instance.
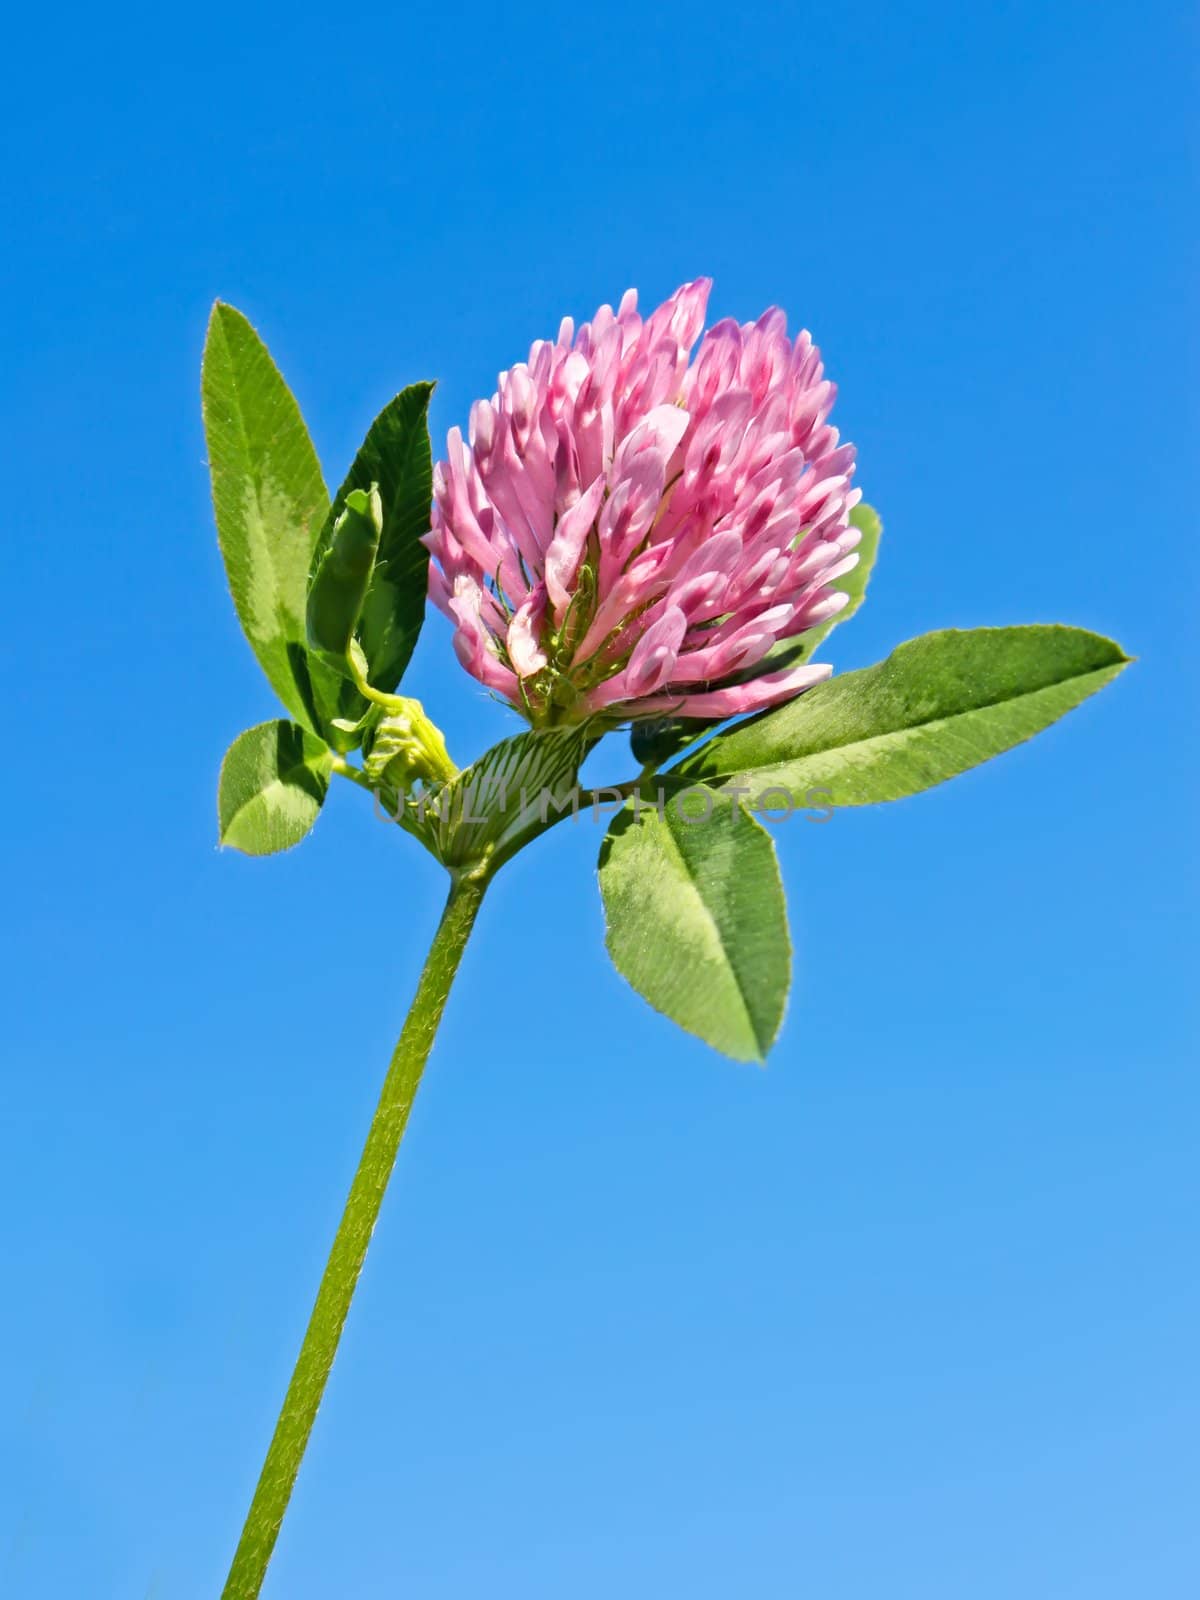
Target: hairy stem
(355, 774)
(351, 1240)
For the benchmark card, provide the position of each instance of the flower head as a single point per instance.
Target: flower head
(627, 534)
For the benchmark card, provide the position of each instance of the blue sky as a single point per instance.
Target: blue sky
(911, 1313)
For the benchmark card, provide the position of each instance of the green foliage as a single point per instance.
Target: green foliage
(396, 457)
(270, 503)
(332, 599)
(403, 747)
(273, 783)
(935, 707)
(659, 739)
(342, 576)
(696, 919)
(514, 792)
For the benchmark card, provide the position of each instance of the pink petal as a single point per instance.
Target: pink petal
(566, 547)
(740, 698)
(524, 635)
(719, 492)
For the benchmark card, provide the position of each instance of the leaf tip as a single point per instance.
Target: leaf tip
(224, 317)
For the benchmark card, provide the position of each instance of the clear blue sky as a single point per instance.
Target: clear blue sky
(912, 1314)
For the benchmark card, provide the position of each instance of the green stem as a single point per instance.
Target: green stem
(350, 1243)
(355, 774)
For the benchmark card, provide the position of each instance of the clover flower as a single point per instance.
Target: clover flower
(628, 534)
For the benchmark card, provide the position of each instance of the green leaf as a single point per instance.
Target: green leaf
(514, 792)
(342, 576)
(657, 742)
(269, 499)
(273, 783)
(696, 919)
(396, 456)
(937, 706)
